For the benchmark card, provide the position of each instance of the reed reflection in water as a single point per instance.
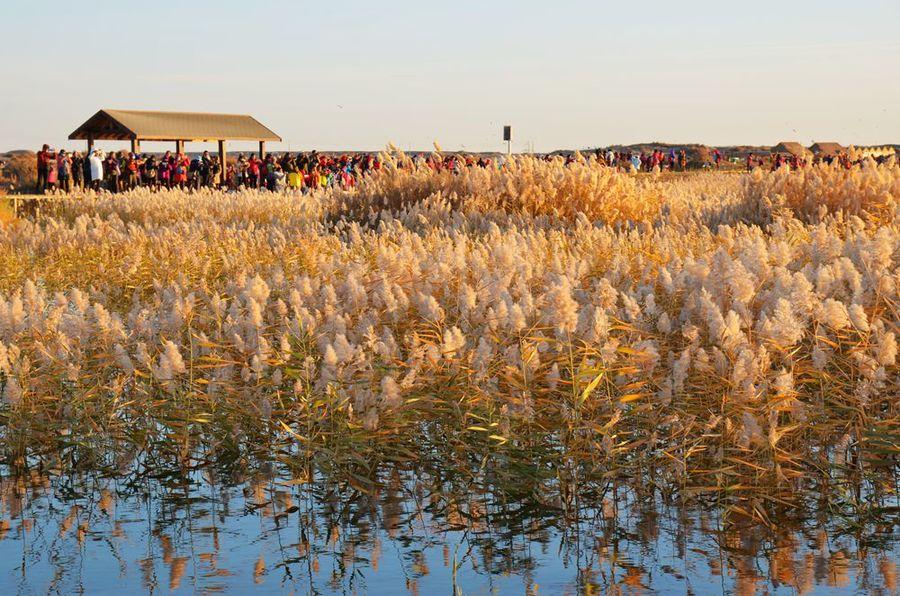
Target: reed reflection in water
(410, 527)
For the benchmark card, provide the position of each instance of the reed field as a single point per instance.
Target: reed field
(718, 338)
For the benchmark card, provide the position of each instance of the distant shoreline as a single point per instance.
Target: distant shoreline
(727, 150)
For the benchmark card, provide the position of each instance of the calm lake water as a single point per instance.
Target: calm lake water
(141, 526)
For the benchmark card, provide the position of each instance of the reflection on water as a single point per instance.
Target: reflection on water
(406, 528)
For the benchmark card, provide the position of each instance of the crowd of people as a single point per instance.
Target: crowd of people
(645, 161)
(778, 160)
(122, 171)
(678, 160)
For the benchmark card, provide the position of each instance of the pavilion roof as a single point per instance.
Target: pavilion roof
(123, 125)
(826, 148)
(791, 147)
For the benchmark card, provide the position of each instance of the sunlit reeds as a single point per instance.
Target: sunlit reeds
(721, 333)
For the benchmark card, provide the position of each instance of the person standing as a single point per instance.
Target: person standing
(347, 181)
(95, 162)
(214, 172)
(205, 169)
(131, 172)
(165, 171)
(253, 171)
(149, 173)
(240, 171)
(269, 173)
(276, 174)
(180, 172)
(112, 172)
(64, 171)
(87, 170)
(194, 173)
(42, 168)
(294, 179)
(231, 176)
(77, 171)
(141, 160)
(52, 172)
(264, 172)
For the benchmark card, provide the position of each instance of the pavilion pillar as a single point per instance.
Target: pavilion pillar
(90, 143)
(262, 150)
(223, 164)
(135, 146)
(179, 147)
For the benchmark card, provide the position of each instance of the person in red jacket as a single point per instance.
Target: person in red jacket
(42, 158)
(179, 177)
(253, 171)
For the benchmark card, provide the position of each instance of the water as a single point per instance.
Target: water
(138, 524)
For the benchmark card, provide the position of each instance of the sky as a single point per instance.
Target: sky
(563, 73)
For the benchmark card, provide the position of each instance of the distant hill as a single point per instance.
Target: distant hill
(691, 148)
(728, 150)
(16, 153)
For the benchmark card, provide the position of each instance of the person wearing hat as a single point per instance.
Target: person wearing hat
(96, 168)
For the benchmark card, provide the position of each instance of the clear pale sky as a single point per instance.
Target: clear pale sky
(565, 74)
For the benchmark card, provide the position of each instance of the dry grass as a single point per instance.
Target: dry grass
(812, 193)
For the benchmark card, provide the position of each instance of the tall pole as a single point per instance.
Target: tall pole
(262, 150)
(223, 163)
(90, 141)
(179, 147)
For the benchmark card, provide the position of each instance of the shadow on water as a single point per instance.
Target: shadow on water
(437, 515)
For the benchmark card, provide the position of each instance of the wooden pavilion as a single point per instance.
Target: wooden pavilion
(827, 149)
(790, 148)
(179, 127)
